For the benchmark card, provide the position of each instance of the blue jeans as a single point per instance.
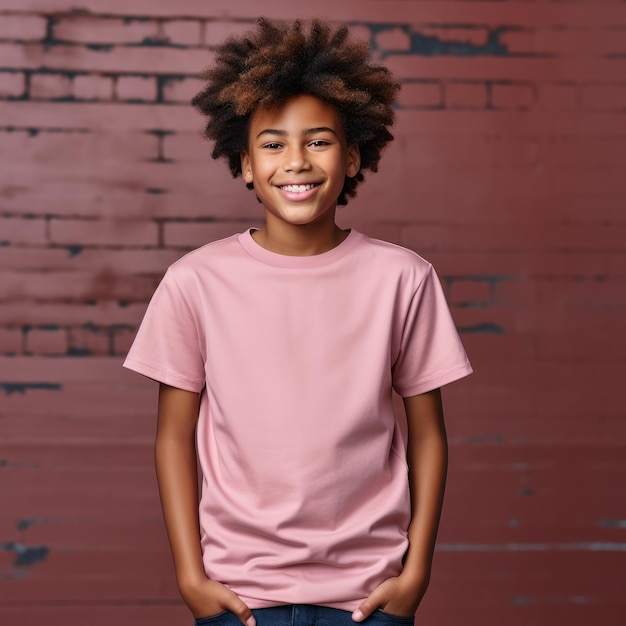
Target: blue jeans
(304, 615)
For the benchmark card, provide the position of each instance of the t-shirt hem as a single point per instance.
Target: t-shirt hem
(255, 603)
(162, 376)
(435, 382)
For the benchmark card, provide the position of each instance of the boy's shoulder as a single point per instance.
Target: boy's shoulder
(391, 255)
(209, 253)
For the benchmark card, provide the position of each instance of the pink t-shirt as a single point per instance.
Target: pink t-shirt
(305, 495)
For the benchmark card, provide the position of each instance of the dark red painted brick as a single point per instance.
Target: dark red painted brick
(216, 31)
(420, 95)
(46, 342)
(558, 96)
(465, 95)
(18, 230)
(604, 97)
(103, 30)
(136, 88)
(23, 27)
(513, 96)
(182, 32)
(12, 84)
(50, 86)
(182, 90)
(397, 39)
(93, 87)
(135, 59)
(11, 340)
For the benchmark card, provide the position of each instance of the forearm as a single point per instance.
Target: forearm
(177, 475)
(178, 488)
(427, 458)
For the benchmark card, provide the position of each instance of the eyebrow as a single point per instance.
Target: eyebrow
(306, 133)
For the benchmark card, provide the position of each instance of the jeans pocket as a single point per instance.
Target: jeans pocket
(211, 619)
(382, 617)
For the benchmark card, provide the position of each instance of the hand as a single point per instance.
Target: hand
(400, 596)
(207, 597)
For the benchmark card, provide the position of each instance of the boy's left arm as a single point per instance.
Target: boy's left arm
(427, 456)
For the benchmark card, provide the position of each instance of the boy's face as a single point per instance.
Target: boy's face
(297, 159)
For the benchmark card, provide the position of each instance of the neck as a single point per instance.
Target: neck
(299, 240)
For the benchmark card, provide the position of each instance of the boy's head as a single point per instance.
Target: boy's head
(275, 62)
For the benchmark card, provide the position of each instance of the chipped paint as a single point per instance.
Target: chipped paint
(100, 47)
(591, 546)
(26, 555)
(487, 327)
(24, 524)
(22, 388)
(431, 45)
(612, 523)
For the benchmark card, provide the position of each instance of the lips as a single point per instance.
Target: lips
(299, 193)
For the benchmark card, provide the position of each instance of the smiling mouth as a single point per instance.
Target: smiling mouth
(299, 188)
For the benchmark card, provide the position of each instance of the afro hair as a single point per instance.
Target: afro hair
(276, 61)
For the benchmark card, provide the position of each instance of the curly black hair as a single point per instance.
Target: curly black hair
(276, 61)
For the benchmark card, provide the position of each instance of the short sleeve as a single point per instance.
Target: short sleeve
(431, 353)
(167, 345)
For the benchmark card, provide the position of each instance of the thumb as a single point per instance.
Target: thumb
(242, 611)
(366, 609)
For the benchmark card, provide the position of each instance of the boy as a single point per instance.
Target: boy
(277, 350)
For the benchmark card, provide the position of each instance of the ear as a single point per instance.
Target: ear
(246, 167)
(353, 160)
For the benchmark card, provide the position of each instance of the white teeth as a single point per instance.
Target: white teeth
(297, 188)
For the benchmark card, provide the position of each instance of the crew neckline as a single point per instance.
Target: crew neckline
(285, 260)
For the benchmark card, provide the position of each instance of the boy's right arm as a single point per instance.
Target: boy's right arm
(177, 475)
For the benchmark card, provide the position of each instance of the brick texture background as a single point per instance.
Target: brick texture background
(508, 173)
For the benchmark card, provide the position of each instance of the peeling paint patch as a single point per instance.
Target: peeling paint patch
(26, 555)
(99, 47)
(74, 250)
(78, 352)
(432, 45)
(22, 388)
(24, 524)
(488, 327)
(580, 600)
(612, 523)
(530, 601)
(592, 546)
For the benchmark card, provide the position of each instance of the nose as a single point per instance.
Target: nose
(296, 159)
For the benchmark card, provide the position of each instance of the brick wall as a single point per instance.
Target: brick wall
(507, 173)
